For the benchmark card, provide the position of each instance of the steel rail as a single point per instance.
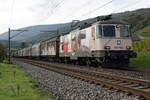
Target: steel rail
(116, 77)
(74, 73)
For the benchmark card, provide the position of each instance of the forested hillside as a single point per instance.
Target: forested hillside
(138, 19)
(139, 24)
(13, 44)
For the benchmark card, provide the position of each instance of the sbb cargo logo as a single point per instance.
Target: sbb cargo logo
(118, 42)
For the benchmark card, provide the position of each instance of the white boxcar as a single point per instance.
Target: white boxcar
(48, 47)
(36, 50)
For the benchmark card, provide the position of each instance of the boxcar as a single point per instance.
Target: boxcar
(36, 50)
(49, 48)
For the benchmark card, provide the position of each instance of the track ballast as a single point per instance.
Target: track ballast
(131, 86)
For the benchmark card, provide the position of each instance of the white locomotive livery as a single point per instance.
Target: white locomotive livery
(105, 42)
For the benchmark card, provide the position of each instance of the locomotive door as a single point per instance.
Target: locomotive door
(93, 39)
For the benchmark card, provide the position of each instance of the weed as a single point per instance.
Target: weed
(18, 89)
(14, 74)
(21, 87)
(13, 90)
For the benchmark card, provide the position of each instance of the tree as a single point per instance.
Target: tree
(24, 45)
(2, 53)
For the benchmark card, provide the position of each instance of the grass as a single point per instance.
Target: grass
(145, 32)
(142, 48)
(16, 85)
(143, 45)
(142, 60)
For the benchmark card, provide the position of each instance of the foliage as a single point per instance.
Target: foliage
(16, 85)
(143, 54)
(13, 44)
(138, 22)
(2, 52)
(142, 59)
(127, 14)
(145, 32)
(138, 19)
(143, 45)
(24, 45)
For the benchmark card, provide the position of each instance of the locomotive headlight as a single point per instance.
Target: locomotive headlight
(128, 47)
(107, 47)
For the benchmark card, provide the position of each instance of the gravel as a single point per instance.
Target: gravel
(129, 74)
(67, 88)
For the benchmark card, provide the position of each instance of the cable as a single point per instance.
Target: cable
(16, 34)
(51, 12)
(96, 9)
(77, 10)
(56, 6)
(59, 3)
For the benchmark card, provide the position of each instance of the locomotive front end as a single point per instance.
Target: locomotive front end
(115, 43)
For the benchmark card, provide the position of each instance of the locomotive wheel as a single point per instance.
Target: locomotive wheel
(81, 61)
(88, 62)
(95, 63)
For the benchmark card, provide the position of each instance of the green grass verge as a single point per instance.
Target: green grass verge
(145, 32)
(16, 85)
(143, 54)
(142, 60)
(143, 45)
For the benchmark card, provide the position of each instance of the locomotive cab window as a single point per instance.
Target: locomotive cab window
(99, 32)
(109, 31)
(124, 31)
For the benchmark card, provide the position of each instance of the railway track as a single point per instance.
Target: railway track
(131, 86)
(131, 69)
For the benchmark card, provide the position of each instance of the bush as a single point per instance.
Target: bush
(142, 59)
(141, 46)
(2, 52)
(143, 54)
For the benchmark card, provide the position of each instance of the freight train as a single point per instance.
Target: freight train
(105, 42)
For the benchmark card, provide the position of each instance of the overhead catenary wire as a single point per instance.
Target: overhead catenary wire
(50, 5)
(95, 9)
(56, 6)
(126, 6)
(17, 34)
(48, 15)
(59, 3)
(51, 12)
(77, 10)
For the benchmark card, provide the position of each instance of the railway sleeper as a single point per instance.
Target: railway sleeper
(116, 86)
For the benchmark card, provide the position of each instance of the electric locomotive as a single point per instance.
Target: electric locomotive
(104, 42)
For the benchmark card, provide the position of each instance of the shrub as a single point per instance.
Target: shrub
(2, 53)
(141, 46)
